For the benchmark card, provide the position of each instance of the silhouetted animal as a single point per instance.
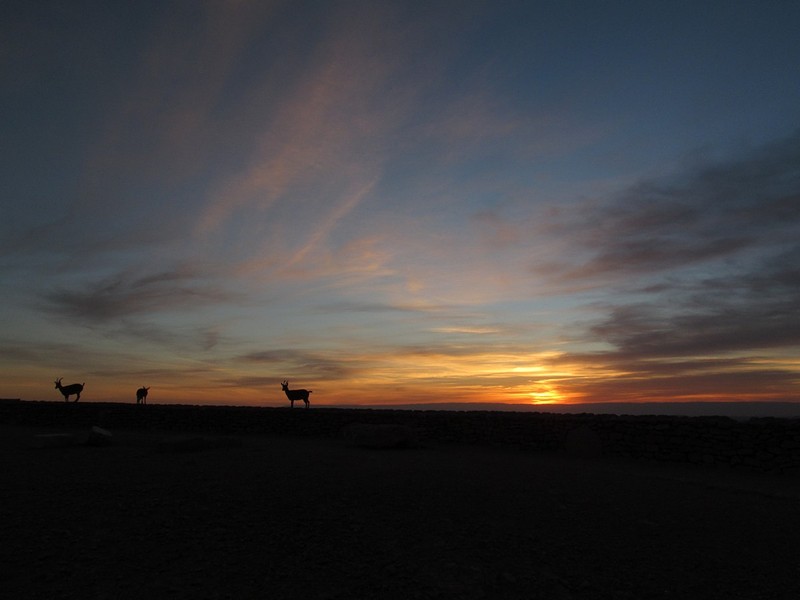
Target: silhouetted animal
(141, 395)
(68, 390)
(293, 395)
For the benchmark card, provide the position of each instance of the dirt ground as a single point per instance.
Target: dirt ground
(169, 516)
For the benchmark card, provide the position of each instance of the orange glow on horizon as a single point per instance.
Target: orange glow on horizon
(417, 376)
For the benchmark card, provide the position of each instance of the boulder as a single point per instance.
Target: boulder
(99, 437)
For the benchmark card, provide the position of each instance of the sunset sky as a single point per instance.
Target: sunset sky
(401, 202)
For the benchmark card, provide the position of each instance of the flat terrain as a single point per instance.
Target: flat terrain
(169, 516)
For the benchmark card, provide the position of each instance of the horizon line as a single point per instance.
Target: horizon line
(729, 408)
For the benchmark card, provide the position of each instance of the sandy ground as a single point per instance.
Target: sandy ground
(155, 516)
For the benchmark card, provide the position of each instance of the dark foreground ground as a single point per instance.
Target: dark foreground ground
(157, 516)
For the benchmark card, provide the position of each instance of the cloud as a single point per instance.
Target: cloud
(315, 365)
(16, 352)
(323, 230)
(363, 307)
(620, 376)
(645, 331)
(166, 123)
(151, 117)
(745, 205)
(203, 337)
(695, 280)
(123, 295)
(752, 307)
(323, 126)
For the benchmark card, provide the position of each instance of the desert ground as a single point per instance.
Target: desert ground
(166, 515)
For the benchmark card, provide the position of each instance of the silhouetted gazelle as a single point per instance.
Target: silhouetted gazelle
(293, 395)
(68, 390)
(141, 395)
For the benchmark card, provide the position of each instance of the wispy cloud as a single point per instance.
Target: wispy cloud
(754, 308)
(125, 294)
(322, 132)
(323, 230)
(289, 361)
(707, 213)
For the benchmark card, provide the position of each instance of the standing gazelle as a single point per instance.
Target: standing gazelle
(68, 390)
(293, 395)
(141, 395)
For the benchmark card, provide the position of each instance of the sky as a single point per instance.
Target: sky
(401, 202)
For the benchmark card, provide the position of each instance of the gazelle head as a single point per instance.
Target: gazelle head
(58, 382)
(285, 385)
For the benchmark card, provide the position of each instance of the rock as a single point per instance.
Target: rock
(370, 435)
(99, 437)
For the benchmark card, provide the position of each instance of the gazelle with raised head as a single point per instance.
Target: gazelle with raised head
(293, 395)
(141, 395)
(69, 390)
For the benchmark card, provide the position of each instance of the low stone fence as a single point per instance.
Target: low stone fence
(766, 444)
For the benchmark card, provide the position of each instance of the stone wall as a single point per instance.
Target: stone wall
(762, 444)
